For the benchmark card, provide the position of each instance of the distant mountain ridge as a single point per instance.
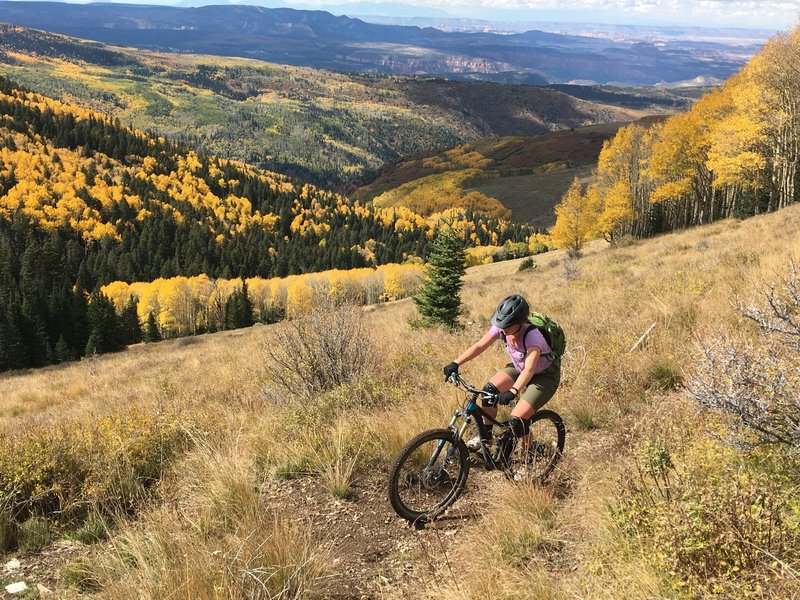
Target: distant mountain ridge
(321, 40)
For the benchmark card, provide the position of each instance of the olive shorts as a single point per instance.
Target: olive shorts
(540, 388)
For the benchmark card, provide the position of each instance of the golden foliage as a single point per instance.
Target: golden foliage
(440, 192)
(704, 164)
(576, 217)
(186, 305)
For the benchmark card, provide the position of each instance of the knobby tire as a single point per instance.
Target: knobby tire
(546, 447)
(420, 493)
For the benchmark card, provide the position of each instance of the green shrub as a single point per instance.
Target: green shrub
(8, 531)
(33, 534)
(723, 523)
(527, 264)
(584, 415)
(94, 529)
(80, 574)
(62, 471)
(663, 376)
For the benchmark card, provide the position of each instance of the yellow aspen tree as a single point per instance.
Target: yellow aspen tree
(576, 219)
(201, 288)
(299, 297)
(371, 286)
(736, 153)
(320, 286)
(118, 292)
(617, 182)
(617, 214)
(148, 299)
(169, 300)
(678, 163)
(775, 72)
(400, 281)
(346, 286)
(277, 286)
(260, 293)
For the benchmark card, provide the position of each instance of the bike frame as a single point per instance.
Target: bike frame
(471, 412)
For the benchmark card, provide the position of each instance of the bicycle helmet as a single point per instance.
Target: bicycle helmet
(511, 310)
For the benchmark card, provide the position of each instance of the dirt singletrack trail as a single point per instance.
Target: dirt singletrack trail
(375, 553)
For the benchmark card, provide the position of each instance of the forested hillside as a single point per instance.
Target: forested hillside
(735, 153)
(85, 201)
(524, 176)
(329, 128)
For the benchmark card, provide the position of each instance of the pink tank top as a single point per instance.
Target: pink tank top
(533, 338)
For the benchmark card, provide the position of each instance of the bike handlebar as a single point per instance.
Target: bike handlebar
(458, 381)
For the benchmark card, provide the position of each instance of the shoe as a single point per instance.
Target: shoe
(474, 445)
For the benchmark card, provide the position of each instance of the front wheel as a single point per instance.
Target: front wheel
(428, 475)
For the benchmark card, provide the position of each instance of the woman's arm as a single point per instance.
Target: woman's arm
(476, 349)
(529, 370)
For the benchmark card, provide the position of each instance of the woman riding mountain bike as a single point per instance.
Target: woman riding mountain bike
(532, 375)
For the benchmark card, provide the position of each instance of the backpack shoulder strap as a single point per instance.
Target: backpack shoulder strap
(551, 355)
(524, 335)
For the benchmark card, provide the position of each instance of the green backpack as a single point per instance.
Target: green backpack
(553, 335)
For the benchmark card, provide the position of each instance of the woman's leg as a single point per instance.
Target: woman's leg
(502, 380)
(540, 389)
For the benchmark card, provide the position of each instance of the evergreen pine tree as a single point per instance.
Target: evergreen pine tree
(151, 332)
(239, 309)
(439, 299)
(131, 326)
(12, 346)
(91, 346)
(104, 326)
(34, 333)
(246, 318)
(62, 351)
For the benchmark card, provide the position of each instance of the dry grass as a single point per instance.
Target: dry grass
(205, 368)
(265, 557)
(553, 542)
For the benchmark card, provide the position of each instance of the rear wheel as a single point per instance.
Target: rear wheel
(428, 475)
(535, 456)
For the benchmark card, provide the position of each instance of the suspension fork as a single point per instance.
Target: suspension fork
(458, 433)
(473, 411)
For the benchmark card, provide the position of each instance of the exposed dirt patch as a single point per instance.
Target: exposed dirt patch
(373, 549)
(40, 570)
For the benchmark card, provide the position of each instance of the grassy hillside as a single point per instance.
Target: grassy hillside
(521, 176)
(242, 488)
(325, 127)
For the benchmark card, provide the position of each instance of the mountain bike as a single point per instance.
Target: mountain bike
(431, 470)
